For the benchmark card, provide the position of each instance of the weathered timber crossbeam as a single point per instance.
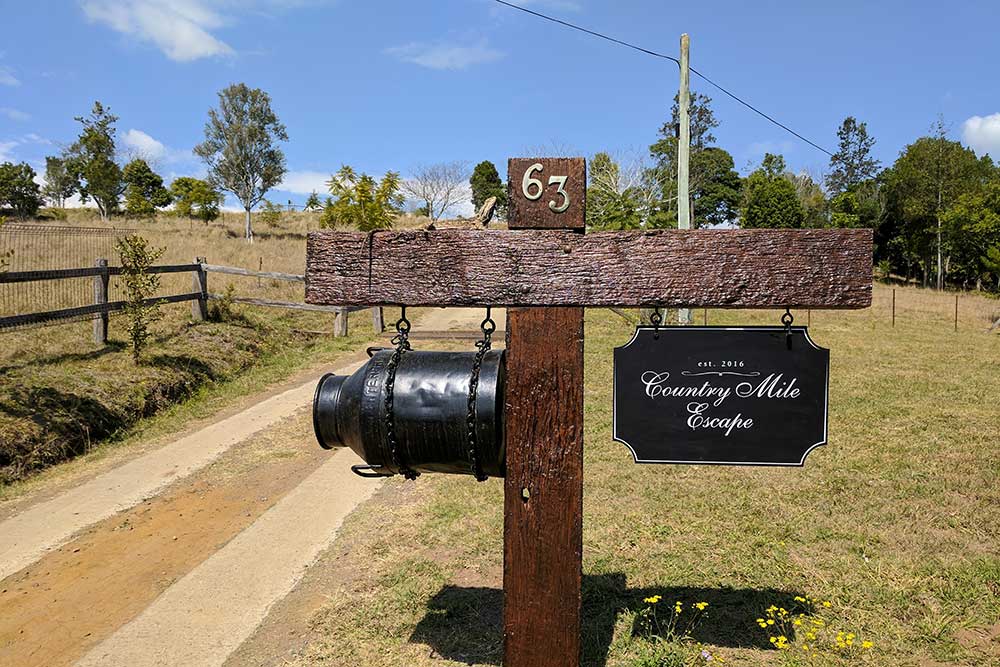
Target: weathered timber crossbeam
(800, 268)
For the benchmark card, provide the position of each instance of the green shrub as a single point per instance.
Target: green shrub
(270, 214)
(136, 257)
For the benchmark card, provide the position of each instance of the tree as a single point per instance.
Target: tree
(811, 197)
(927, 179)
(91, 161)
(618, 195)
(270, 213)
(715, 187)
(972, 234)
(240, 146)
(18, 189)
(852, 163)
(312, 203)
(59, 182)
(136, 256)
(485, 183)
(713, 184)
(439, 186)
(361, 201)
(195, 198)
(769, 199)
(144, 191)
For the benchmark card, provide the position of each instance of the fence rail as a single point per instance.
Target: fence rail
(101, 307)
(274, 275)
(84, 272)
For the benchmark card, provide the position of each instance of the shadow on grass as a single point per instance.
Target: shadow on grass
(466, 624)
(110, 347)
(189, 366)
(65, 425)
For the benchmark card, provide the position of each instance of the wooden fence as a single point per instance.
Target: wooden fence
(199, 295)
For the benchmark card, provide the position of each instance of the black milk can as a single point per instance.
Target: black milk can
(430, 413)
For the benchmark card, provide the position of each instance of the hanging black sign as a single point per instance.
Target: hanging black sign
(724, 395)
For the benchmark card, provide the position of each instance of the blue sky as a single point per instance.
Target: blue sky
(390, 84)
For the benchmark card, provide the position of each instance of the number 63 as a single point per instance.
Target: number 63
(528, 182)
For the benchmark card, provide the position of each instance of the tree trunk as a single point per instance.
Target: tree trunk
(249, 228)
(940, 272)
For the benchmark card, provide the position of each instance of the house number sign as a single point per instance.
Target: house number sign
(547, 193)
(723, 395)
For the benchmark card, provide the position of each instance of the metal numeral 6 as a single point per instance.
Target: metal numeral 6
(528, 182)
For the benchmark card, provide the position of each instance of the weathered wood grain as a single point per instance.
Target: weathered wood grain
(808, 268)
(543, 532)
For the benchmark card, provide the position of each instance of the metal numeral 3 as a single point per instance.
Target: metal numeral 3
(528, 182)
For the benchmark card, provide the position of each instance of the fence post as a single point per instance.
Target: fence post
(100, 298)
(377, 320)
(340, 324)
(956, 311)
(893, 307)
(199, 283)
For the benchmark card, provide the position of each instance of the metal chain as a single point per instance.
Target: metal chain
(488, 326)
(655, 319)
(402, 343)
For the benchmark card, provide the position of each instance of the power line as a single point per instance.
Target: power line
(761, 113)
(589, 32)
(665, 57)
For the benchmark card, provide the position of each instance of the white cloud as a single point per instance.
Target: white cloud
(304, 182)
(443, 55)
(5, 151)
(7, 77)
(179, 28)
(144, 144)
(14, 114)
(982, 134)
(182, 29)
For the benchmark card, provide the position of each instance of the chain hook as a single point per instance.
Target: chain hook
(402, 337)
(655, 319)
(787, 320)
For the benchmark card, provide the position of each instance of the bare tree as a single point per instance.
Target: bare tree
(439, 186)
(620, 176)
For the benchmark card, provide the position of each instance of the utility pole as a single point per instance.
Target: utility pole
(684, 153)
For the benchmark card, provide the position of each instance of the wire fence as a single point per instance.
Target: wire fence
(47, 249)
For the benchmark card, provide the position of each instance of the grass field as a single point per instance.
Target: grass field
(61, 395)
(895, 524)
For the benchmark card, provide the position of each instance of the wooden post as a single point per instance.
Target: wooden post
(378, 321)
(543, 489)
(340, 323)
(893, 307)
(956, 312)
(684, 152)
(100, 298)
(199, 283)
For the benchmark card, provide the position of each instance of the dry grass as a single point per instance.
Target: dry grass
(60, 394)
(896, 522)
